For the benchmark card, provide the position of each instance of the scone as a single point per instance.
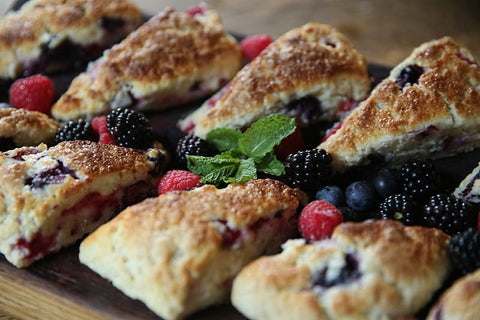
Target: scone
(47, 35)
(50, 197)
(366, 271)
(428, 107)
(178, 253)
(312, 72)
(174, 58)
(21, 127)
(469, 188)
(461, 301)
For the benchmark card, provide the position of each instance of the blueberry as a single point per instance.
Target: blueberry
(332, 194)
(409, 76)
(386, 183)
(360, 196)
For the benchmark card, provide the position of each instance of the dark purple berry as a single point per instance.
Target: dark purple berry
(306, 110)
(464, 249)
(75, 130)
(191, 145)
(332, 194)
(386, 183)
(409, 76)
(399, 207)
(54, 175)
(360, 196)
(419, 179)
(308, 169)
(130, 129)
(348, 273)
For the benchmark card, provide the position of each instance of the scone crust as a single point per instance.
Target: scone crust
(174, 243)
(400, 268)
(27, 128)
(170, 49)
(286, 70)
(445, 98)
(459, 302)
(22, 33)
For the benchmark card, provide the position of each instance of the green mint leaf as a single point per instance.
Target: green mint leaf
(224, 138)
(265, 134)
(213, 170)
(246, 171)
(271, 165)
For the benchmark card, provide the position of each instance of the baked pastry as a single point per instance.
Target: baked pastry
(312, 72)
(47, 35)
(469, 188)
(179, 252)
(21, 127)
(50, 197)
(428, 107)
(174, 58)
(371, 270)
(461, 301)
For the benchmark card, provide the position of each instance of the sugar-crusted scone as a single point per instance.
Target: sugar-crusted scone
(459, 302)
(428, 107)
(312, 72)
(469, 188)
(174, 58)
(50, 197)
(21, 127)
(371, 270)
(179, 252)
(44, 35)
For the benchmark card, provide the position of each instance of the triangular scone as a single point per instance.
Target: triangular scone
(178, 253)
(469, 188)
(311, 72)
(173, 58)
(428, 107)
(49, 35)
(375, 270)
(49, 198)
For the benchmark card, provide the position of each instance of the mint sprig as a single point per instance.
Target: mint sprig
(243, 155)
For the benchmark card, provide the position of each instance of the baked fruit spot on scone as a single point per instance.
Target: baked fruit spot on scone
(22, 127)
(312, 72)
(371, 270)
(174, 58)
(178, 253)
(428, 107)
(459, 302)
(49, 198)
(469, 188)
(45, 36)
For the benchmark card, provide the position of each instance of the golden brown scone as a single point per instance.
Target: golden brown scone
(178, 253)
(311, 72)
(429, 111)
(174, 58)
(45, 34)
(366, 271)
(26, 128)
(461, 301)
(49, 198)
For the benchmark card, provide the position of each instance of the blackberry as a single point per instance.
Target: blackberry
(308, 169)
(464, 249)
(399, 207)
(75, 130)
(448, 213)
(191, 145)
(129, 129)
(419, 179)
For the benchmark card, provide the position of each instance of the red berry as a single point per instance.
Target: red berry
(99, 125)
(252, 45)
(199, 9)
(178, 180)
(318, 219)
(290, 144)
(332, 131)
(33, 93)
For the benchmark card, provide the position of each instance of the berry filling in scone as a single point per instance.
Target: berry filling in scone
(49, 198)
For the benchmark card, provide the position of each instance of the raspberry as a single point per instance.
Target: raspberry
(197, 10)
(99, 125)
(252, 45)
(318, 219)
(33, 93)
(178, 180)
(330, 132)
(130, 129)
(291, 144)
(75, 130)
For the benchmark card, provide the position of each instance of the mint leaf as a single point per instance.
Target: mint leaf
(246, 171)
(213, 170)
(224, 138)
(265, 134)
(271, 165)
